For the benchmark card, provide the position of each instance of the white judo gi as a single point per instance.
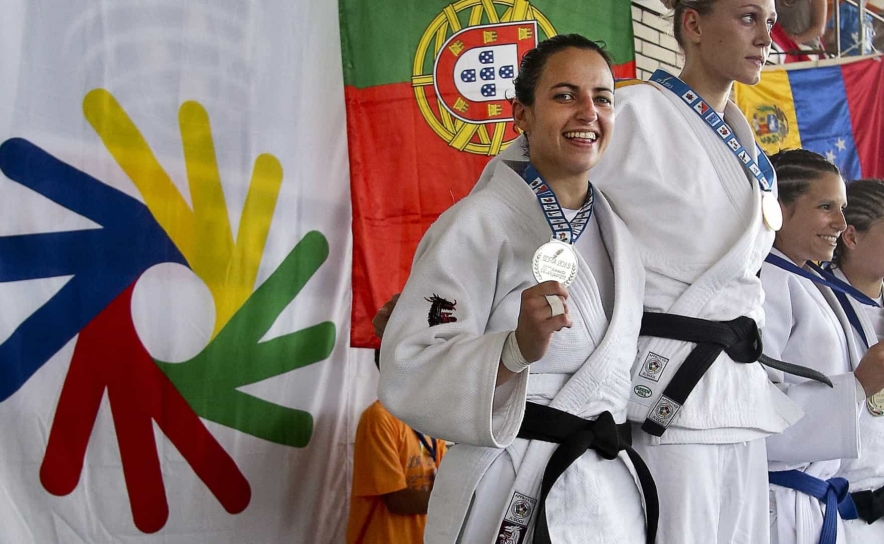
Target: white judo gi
(867, 471)
(696, 216)
(441, 379)
(802, 326)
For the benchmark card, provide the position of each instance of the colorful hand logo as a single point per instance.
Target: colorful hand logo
(105, 263)
(108, 355)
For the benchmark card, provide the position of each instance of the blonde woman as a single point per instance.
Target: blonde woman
(685, 175)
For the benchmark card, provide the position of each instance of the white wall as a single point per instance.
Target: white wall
(654, 45)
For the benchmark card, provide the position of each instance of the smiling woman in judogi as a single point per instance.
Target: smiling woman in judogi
(516, 330)
(805, 323)
(859, 260)
(696, 193)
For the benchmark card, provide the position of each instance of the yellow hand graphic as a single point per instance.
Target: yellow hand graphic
(227, 266)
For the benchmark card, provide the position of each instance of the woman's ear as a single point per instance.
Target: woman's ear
(849, 237)
(691, 28)
(786, 209)
(521, 116)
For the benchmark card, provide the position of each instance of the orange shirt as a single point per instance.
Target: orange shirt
(388, 457)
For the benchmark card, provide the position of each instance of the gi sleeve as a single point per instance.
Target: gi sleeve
(829, 428)
(439, 371)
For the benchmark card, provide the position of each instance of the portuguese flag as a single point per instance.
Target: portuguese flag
(427, 85)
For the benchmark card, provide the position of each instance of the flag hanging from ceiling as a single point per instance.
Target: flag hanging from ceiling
(427, 87)
(834, 110)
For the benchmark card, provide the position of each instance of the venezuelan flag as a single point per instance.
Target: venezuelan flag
(834, 110)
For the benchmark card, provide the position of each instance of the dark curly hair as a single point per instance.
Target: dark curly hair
(865, 207)
(796, 169)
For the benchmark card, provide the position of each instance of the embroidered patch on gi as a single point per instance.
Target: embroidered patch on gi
(642, 391)
(514, 527)
(440, 310)
(664, 411)
(653, 366)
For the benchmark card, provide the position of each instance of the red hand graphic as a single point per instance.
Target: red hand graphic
(109, 355)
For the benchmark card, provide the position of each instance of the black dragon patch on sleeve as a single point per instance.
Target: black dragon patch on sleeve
(440, 310)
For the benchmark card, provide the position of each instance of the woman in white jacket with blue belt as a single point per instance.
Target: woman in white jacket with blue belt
(859, 261)
(805, 325)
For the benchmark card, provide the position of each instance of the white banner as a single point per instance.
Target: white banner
(175, 273)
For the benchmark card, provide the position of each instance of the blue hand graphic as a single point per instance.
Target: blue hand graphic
(104, 261)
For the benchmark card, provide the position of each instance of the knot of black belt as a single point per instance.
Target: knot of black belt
(869, 504)
(739, 338)
(575, 435)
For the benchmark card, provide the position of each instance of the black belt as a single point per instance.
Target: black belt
(739, 338)
(576, 435)
(869, 504)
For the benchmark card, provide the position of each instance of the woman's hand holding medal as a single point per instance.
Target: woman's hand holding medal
(536, 320)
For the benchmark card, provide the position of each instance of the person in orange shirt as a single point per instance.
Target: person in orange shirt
(394, 469)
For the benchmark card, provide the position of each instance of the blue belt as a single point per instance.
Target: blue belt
(834, 492)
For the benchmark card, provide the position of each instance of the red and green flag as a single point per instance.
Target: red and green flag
(427, 85)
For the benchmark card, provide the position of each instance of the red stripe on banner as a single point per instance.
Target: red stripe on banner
(625, 70)
(863, 82)
(402, 176)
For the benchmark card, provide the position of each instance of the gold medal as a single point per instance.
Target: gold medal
(875, 404)
(555, 260)
(770, 210)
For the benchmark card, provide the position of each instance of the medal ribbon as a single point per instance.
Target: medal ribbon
(852, 317)
(761, 171)
(841, 289)
(562, 229)
(848, 307)
(431, 449)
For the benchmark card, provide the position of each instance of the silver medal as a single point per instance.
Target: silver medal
(875, 404)
(770, 210)
(555, 260)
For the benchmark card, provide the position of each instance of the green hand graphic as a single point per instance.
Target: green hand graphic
(235, 357)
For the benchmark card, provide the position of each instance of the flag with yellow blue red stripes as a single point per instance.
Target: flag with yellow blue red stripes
(833, 110)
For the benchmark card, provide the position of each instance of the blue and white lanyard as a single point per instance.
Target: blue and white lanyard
(848, 307)
(426, 444)
(761, 171)
(562, 229)
(841, 289)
